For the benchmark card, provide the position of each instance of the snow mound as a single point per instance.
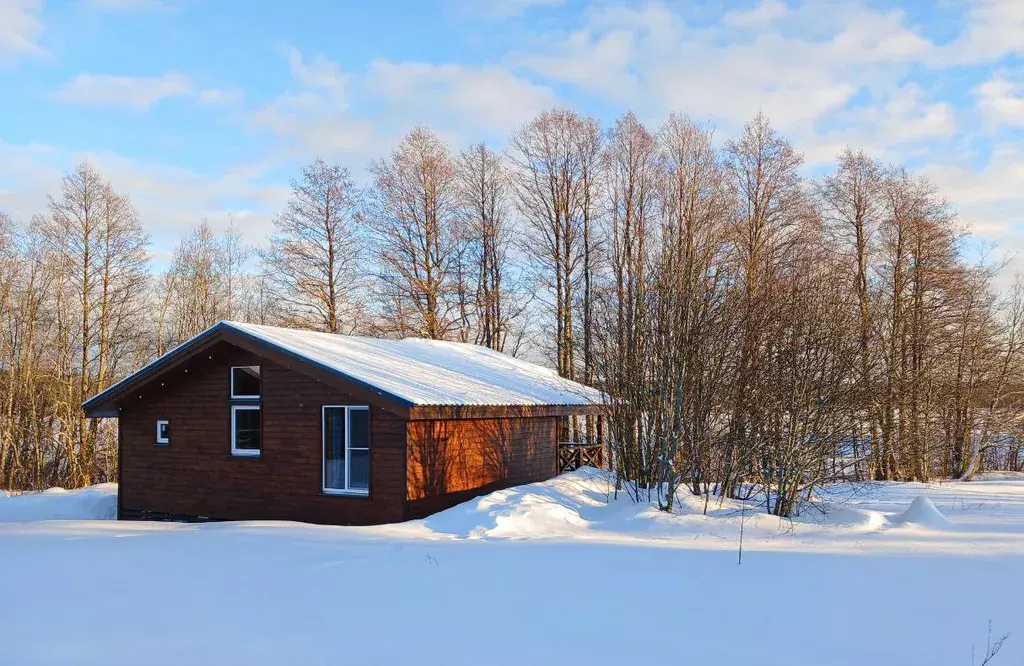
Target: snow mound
(558, 507)
(97, 502)
(923, 512)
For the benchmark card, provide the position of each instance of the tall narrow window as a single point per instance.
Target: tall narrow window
(245, 430)
(245, 382)
(163, 432)
(346, 449)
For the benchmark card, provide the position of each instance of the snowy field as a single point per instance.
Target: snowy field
(545, 574)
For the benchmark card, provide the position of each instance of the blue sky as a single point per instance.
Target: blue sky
(204, 109)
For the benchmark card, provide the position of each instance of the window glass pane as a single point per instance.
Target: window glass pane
(359, 421)
(163, 431)
(334, 448)
(359, 469)
(247, 429)
(246, 381)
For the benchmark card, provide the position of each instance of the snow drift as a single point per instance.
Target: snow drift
(94, 503)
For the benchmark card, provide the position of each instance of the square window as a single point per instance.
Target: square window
(163, 432)
(245, 430)
(245, 382)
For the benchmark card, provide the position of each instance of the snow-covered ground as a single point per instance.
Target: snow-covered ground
(550, 573)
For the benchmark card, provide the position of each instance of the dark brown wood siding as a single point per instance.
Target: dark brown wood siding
(197, 476)
(452, 461)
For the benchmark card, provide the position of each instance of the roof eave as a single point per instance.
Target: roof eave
(457, 412)
(105, 403)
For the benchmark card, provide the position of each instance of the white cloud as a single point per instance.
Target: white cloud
(312, 127)
(315, 120)
(20, 29)
(169, 199)
(759, 16)
(319, 72)
(1001, 101)
(733, 89)
(598, 63)
(866, 36)
(1001, 180)
(829, 75)
(609, 54)
(218, 96)
(488, 97)
(316, 117)
(908, 116)
(990, 199)
(797, 71)
(897, 123)
(994, 28)
(135, 93)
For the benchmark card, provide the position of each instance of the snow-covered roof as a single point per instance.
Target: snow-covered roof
(416, 371)
(430, 372)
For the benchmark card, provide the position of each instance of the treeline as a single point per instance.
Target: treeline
(764, 334)
(760, 331)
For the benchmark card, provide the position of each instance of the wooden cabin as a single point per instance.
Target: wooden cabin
(247, 422)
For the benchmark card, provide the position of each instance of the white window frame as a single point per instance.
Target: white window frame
(159, 439)
(348, 441)
(245, 453)
(245, 397)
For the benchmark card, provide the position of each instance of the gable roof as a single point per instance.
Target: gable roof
(412, 371)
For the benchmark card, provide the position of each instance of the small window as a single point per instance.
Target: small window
(346, 450)
(245, 382)
(163, 432)
(245, 430)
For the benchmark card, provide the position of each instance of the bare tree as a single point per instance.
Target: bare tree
(992, 648)
(763, 169)
(695, 210)
(311, 263)
(234, 255)
(633, 369)
(498, 301)
(414, 216)
(204, 284)
(851, 204)
(99, 243)
(554, 158)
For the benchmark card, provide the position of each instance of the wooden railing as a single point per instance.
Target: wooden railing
(573, 455)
